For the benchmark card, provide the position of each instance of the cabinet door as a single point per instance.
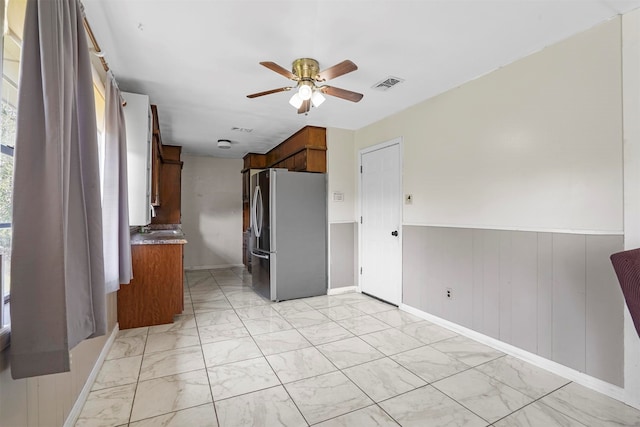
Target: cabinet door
(156, 172)
(300, 160)
(246, 184)
(137, 114)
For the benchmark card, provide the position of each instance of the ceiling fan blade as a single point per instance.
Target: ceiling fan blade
(342, 93)
(268, 92)
(305, 107)
(280, 70)
(337, 70)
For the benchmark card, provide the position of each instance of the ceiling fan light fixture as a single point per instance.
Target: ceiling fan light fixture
(307, 75)
(317, 98)
(295, 101)
(305, 91)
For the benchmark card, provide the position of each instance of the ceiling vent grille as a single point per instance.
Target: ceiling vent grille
(387, 83)
(238, 129)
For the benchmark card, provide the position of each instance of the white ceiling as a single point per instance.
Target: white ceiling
(198, 59)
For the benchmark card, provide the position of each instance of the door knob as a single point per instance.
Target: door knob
(394, 233)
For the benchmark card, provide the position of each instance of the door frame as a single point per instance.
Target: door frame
(395, 141)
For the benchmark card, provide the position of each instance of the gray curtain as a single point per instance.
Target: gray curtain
(57, 270)
(115, 204)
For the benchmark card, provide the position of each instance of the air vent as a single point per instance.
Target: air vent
(237, 129)
(387, 83)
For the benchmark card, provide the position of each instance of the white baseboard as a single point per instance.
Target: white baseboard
(84, 394)
(212, 267)
(342, 290)
(581, 378)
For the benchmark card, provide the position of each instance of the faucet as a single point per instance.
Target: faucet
(153, 211)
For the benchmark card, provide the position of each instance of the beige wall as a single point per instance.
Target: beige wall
(46, 401)
(535, 145)
(341, 168)
(212, 211)
(343, 240)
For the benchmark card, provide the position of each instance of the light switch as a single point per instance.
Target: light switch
(338, 196)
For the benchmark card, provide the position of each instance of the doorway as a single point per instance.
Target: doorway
(380, 221)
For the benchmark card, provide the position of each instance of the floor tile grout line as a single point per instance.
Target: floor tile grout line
(531, 403)
(558, 410)
(135, 391)
(167, 413)
(425, 344)
(338, 369)
(314, 346)
(475, 413)
(204, 361)
(275, 373)
(349, 378)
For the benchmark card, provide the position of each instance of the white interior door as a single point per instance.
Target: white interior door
(381, 204)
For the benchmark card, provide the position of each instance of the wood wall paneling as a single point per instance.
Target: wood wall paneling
(551, 294)
(413, 283)
(604, 310)
(545, 295)
(430, 264)
(490, 301)
(505, 309)
(458, 268)
(342, 261)
(524, 289)
(569, 300)
(47, 400)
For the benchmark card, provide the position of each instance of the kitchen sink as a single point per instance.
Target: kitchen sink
(165, 232)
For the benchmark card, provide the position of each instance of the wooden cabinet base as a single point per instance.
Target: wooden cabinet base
(155, 294)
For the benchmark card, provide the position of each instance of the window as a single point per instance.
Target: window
(13, 11)
(7, 139)
(12, 14)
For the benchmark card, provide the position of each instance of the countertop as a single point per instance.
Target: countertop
(160, 235)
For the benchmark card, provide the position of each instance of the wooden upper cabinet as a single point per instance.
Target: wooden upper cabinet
(166, 176)
(156, 158)
(304, 151)
(169, 212)
(255, 161)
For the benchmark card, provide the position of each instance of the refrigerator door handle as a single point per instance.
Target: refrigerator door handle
(259, 255)
(255, 222)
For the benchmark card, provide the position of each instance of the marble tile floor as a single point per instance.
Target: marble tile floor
(235, 359)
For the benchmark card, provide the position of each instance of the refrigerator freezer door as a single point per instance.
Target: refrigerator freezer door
(261, 272)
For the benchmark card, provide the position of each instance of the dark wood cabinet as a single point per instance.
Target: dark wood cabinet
(169, 211)
(166, 176)
(304, 151)
(156, 158)
(155, 293)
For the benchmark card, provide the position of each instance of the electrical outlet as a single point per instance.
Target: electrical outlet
(408, 199)
(449, 293)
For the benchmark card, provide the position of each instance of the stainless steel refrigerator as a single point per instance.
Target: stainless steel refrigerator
(289, 234)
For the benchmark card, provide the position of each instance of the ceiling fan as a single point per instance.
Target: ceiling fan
(306, 72)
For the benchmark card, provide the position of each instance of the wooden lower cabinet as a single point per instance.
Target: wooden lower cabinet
(156, 292)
